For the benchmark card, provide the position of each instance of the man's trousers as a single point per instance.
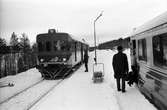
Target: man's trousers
(118, 84)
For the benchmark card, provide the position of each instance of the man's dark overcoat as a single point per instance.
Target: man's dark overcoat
(120, 65)
(86, 57)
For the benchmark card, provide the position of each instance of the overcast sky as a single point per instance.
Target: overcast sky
(76, 17)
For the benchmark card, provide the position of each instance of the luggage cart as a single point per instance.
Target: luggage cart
(98, 72)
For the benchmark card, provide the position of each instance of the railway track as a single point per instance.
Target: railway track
(42, 96)
(66, 75)
(6, 100)
(36, 101)
(17, 100)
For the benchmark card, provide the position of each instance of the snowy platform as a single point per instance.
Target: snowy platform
(79, 92)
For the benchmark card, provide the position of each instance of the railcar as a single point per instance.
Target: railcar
(58, 52)
(149, 59)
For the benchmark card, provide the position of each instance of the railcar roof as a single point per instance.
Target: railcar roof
(79, 39)
(59, 34)
(66, 34)
(159, 20)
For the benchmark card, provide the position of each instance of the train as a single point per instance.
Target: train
(58, 52)
(148, 51)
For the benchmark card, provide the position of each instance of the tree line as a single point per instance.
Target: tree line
(16, 44)
(16, 56)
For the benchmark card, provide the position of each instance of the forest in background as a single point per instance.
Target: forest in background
(17, 56)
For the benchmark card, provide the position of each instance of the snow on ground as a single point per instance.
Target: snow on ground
(26, 99)
(80, 93)
(20, 81)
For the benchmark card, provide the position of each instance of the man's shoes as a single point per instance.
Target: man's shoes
(86, 70)
(119, 90)
(123, 91)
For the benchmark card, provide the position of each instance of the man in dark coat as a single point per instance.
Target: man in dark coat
(120, 66)
(86, 57)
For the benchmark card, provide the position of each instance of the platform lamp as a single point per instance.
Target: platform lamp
(95, 59)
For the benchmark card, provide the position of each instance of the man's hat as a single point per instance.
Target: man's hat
(119, 48)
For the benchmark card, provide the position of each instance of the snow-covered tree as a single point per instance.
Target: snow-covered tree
(25, 43)
(26, 49)
(13, 39)
(14, 43)
(2, 42)
(3, 47)
(34, 47)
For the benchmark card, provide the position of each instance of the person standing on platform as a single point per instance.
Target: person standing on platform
(86, 57)
(120, 66)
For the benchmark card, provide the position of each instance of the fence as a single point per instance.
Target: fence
(13, 63)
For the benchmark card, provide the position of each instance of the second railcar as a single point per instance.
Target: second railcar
(149, 59)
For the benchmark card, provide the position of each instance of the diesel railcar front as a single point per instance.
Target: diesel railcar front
(58, 52)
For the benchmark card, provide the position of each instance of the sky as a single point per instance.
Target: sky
(76, 17)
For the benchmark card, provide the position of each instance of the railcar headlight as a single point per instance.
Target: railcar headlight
(41, 60)
(64, 59)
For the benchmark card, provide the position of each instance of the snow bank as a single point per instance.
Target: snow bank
(20, 81)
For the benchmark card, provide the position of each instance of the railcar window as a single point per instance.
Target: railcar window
(56, 45)
(75, 51)
(142, 49)
(160, 50)
(40, 46)
(134, 44)
(134, 47)
(61, 45)
(68, 46)
(48, 46)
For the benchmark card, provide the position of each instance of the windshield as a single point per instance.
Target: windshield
(61, 45)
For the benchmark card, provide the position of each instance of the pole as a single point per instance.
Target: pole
(95, 43)
(95, 36)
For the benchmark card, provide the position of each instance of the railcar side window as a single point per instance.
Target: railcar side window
(142, 49)
(40, 46)
(48, 46)
(134, 46)
(160, 50)
(75, 51)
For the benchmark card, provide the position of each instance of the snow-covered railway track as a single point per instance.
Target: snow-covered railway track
(6, 100)
(36, 101)
(28, 97)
